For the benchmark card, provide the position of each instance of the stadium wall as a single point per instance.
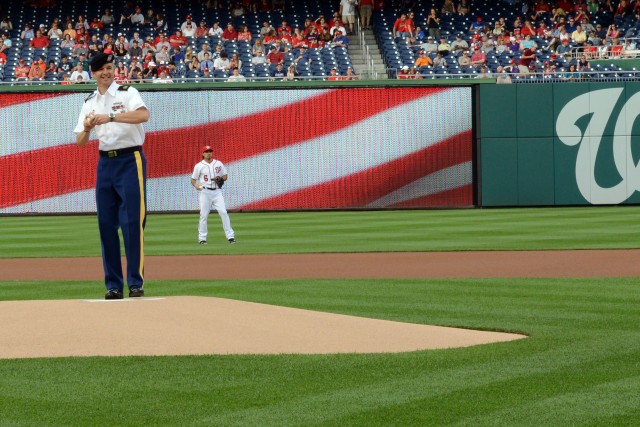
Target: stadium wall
(293, 147)
(562, 144)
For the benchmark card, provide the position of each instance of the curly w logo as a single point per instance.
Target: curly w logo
(600, 105)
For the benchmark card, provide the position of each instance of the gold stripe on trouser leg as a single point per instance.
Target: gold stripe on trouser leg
(142, 210)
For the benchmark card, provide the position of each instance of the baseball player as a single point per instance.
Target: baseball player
(115, 114)
(208, 177)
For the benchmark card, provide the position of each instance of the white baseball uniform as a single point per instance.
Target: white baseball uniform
(211, 196)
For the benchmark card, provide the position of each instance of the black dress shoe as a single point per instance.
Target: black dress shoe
(136, 292)
(113, 294)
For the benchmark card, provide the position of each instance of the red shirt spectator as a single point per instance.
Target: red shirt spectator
(528, 56)
(178, 39)
(275, 57)
(3, 58)
(284, 27)
(22, 71)
(230, 33)
(39, 41)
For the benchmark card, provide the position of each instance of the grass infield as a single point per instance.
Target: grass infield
(371, 231)
(580, 365)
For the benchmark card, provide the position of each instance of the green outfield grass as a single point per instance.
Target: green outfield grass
(373, 231)
(580, 365)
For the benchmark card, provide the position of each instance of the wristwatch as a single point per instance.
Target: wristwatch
(112, 116)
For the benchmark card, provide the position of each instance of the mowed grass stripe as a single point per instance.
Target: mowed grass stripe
(368, 231)
(583, 336)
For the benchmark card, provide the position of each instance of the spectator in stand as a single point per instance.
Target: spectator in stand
(65, 66)
(351, 75)
(275, 57)
(464, 8)
(137, 17)
(583, 63)
(433, 24)
(459, 44)
(135, 71)
(527, 43)
(177, 56)
(174, 72)
(478, 57)
(484, 73)
(623, 10)
(205, 49)
(107, 18)
(401, 29)
(278, 74)
(161, 41)
(55, 32)
(79, 75)
(287, 39)
(121, 52)
(284, 26)
(230, 34)
(82, 23)
(337, 26)
(444, 48)
(6, 24)
(579, 36)
(80, 48)
(423, 60)
(613, 32)
(279, 5)
(302, 56)
(244, 34)
(439, 61)
(235, 61)
(333, 75)
(82, 60)
(464, 59)
(237, 10)
(159, 23)
(571, 73)
(70, 31)
(121, 73)
(150, 16)
(629, 48)
(215, 30)
(340, 40)
(190, 31)
(21, 70)
(202, 30)
(125, 13)
(429, 46)
(217, 52)
(527, 58)
(162, 55)
(150, 72)
(206, 62)
(38, 69)
(27, 33)
(365, 12)
(403, 74)
(39, 41)
(222, 63)
(292, 73)
(348, 13)
(564, 48)
(615, 49)
(266, 29)
(135, 50)
(188, 21)
(235, 76)
(51, 69)
(178, 39)
(477, 25)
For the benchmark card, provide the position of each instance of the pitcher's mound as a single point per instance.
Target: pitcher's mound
(201, 325)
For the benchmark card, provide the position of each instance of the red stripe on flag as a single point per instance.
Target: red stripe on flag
(69, 168)
(356, 190)
(9, 99)
(248, 136)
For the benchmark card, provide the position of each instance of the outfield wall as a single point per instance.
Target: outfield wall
(285, 148)
(558, 144)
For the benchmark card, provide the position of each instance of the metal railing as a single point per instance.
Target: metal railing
(532, 77)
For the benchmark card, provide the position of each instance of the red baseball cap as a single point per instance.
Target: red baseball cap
(207, 148)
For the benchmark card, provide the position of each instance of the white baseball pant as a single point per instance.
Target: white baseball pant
(212, 199)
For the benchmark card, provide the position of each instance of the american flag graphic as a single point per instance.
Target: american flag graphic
(284, 149)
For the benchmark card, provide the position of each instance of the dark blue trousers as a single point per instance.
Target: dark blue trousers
(121, 202)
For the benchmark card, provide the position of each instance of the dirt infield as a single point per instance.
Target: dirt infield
(198, 325)
(575, 263)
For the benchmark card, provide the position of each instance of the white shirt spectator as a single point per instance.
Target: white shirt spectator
(221, 64)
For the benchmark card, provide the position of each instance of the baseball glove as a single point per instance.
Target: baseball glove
(219, 181)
